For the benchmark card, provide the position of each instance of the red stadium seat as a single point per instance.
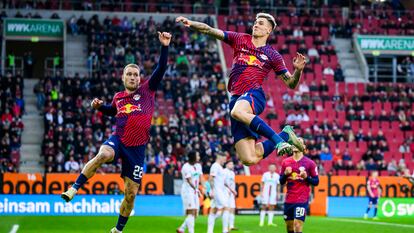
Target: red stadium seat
(363, 173)
(353, 172)
(342, 172)
(375, 125)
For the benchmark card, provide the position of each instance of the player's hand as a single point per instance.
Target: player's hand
(303, 174)
(288, 170)
(186, 22)
(299, 62)
(165, 38)
(96, 103)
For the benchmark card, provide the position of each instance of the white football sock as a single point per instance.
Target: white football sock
(211, 220)
(270, 220)
(184, 225)
(262, 216)
(231, 220)
(190, 223)
(226, 214)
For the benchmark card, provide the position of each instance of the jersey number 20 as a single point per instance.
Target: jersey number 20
(300, 211)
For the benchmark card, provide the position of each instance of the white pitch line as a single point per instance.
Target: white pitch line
(372, 223)
(14, 228)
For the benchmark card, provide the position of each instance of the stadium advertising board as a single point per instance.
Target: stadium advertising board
(248, 187)
(34, 27)
(386, 44)
(56, 183)
(88, 205)
(396, 207)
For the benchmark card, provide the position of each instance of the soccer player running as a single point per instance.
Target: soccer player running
(217, 193)
(191, 173)
(253, 59)
(299, 172)
(270, 180)
(230, 183)
(133, 109)
(374, 191)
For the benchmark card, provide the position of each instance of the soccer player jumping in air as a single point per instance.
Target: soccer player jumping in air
(133, 109)
(299, 172)
(253, 59)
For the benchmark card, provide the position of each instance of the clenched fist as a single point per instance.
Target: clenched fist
(288, 170)
(96, 103)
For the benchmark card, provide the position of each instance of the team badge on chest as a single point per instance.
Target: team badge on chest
(137, 97)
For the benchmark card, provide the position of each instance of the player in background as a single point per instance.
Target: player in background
(298, 172)
(409, 177)
(192, 174)
(253, 59)
(270, 180)
(133, 109)
(230, 183)
(374, 192)
(217, 193)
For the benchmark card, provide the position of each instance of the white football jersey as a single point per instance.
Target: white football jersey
(191, 171)
(230, 178)
(270, 180)
(217, 171)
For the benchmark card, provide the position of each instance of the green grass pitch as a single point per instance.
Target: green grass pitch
(246, 224)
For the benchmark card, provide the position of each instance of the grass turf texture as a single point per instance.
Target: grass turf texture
(246, 224)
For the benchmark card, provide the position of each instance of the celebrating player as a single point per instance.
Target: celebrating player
(191, 173)
(217, 193)
(374, 191)
(270, 180)
(133, 109)
(253, 59)
(230, 184)
(299, 172)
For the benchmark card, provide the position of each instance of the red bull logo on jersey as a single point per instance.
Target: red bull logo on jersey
(128, 108)
(250, 60)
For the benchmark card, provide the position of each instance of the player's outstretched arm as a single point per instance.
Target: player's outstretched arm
(105, 109)
(201, 27)
(292, 80)
(158, 74)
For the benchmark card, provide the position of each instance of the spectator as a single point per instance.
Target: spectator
(326, 155)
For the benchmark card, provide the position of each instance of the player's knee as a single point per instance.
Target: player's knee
(251, 160)
(236, 114)
(104, 157)
(129, 198)
(298, 226)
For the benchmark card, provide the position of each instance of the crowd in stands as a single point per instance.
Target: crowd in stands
(11, 125)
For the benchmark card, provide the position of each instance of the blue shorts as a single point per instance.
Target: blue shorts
(295, 211)
(257, 100)
(373, 200)
(132, 158)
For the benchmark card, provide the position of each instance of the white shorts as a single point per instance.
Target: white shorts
(232, 201)
(269, 199)
(220, 200)
(190, 200)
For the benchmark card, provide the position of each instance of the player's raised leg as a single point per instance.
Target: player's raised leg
(127, 205)
(105, 154)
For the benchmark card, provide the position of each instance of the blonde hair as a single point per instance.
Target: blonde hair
(269, 18)
(131, 65)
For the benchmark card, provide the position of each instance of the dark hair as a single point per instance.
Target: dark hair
(192, 157)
